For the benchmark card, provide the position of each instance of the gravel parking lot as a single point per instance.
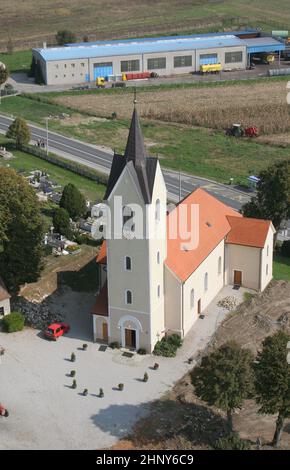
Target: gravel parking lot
(46, 413)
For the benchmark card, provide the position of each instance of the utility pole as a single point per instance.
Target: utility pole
(46, 121)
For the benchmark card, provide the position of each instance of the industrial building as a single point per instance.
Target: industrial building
(84, 62)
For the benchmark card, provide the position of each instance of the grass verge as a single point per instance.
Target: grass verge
(281, 268)
(18, 61)
(198, 151)
(24, 162)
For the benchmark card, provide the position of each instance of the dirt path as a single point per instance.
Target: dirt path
(179, 420)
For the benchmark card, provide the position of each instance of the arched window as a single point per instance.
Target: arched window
(158, 257)
(128, 263)
(192, 298)
(206, 281)
(220, 265)
(267, 270)
(157, 210)
(158, 291)
(267, 250)
(129, 297)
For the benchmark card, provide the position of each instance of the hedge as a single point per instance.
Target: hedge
(13, 322)
(232, 442)
(168, 346)
(66, 164)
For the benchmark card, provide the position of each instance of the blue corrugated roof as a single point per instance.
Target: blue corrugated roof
(263, 44)
(157, 38)
(130, 47)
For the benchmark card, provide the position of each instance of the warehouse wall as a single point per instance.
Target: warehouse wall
(81, 70)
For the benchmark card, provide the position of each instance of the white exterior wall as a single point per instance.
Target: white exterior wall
(267, 260)
(221, 51)
(146, 313)
(196, 282)
(245, 259)
(6, 305)
(173, 302)
(74, 71)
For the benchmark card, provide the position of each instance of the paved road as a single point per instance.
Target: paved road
(101, 159)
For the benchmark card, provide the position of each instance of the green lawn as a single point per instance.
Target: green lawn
(281, 268)
(18, 61)
(201, 152)
(26, 163)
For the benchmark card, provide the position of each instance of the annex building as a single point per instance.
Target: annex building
(84, 62)
(152, 286)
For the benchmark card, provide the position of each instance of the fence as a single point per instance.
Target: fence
(67, 165)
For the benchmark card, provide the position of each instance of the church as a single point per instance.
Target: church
(156, 279)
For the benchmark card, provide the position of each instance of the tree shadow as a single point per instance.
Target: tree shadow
(79, 281)
(161, 420)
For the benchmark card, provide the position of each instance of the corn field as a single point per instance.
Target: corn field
(263, 105)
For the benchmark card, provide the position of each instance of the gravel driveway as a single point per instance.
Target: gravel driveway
(46, 413)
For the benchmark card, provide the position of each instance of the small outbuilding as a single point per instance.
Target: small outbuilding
(4, 300)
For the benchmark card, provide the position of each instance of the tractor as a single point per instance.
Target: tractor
(238, 131)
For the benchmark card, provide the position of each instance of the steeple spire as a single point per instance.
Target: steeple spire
(135, 149)
(136, 153)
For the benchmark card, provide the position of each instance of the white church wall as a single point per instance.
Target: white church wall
(197, 282)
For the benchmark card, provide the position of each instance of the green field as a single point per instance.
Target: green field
(32, 21)
(18, 61)
(25, 163)
(281, 268)
(198, 151)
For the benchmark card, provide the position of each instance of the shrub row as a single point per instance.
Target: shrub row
(168, 346)
(13, 322)
(67, 165)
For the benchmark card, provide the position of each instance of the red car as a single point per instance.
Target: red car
(55, 330)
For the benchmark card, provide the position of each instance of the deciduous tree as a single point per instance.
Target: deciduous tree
(19, 131)
(4, 74)
(65, 36)
(225, 379)
(21, 231)
(273, 195)
(272, 380)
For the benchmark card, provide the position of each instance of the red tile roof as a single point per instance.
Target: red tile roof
(216, 222)
(102, 255)
(213, 227)
(248, 232)
(101, 305)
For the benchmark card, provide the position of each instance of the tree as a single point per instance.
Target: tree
(61, 222)
(73, 201)
(19, 131)
(21, 233)
(36, 71)
(4, 74)
(65, 36)
(272, 201)
(224, 379)
(272, 380)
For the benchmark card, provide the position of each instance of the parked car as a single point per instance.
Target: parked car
(55, 330)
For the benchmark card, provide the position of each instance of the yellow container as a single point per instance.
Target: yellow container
(124, 77)
(210, 68)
